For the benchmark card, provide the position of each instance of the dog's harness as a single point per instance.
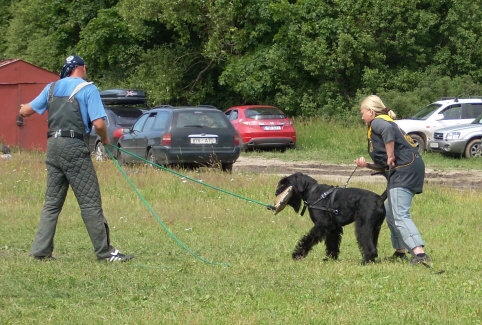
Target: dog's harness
(323, 196)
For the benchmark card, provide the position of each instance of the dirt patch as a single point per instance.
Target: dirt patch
(341, 173)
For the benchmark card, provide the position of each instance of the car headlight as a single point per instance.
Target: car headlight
(453, 135)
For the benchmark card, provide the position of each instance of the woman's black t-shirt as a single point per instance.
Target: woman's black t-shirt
(409, 170)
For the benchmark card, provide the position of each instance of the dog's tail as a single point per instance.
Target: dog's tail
(382, 198)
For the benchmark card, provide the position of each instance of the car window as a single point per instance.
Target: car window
(162, 121)
(232, 115)
(149, 123)
(472, 110)
(453, 112)
(138, 125)
(426, 112)
(264, 113)
(200, 119)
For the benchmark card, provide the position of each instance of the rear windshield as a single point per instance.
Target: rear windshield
(201, 119)
(127, 112)
(123, 116)
(264, 113)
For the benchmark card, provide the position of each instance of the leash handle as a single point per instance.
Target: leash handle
(378, 168)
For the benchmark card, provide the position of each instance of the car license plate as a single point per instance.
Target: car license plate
(271, 127)
(433, 144)
(203, 140)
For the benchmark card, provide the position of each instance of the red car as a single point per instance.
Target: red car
(262, 126)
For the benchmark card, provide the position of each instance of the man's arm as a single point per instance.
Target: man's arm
(101, 130)
(26, 110)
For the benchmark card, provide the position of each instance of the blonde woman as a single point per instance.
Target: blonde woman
(388, 145)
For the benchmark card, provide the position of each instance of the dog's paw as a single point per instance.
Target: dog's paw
(297, 256)
(330, 257)
(370, 261)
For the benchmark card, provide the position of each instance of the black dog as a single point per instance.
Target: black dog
(330, 209)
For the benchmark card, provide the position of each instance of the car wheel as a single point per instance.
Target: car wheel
(419, 142)
(243, 147)
(227, 167)
(473, 149)
(120, 157)
(151, 158)
(99, 153)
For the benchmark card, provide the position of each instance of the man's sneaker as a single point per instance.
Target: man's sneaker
(44, 258)
(117, 256)
(423, 259)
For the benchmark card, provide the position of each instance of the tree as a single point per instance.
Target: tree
(309, 57)
(45, 32)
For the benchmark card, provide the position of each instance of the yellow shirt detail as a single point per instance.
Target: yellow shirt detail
(383, 117)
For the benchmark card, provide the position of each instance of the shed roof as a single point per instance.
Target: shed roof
(17, 71)
(7, 61)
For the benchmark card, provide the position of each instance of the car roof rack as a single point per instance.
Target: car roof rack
(208, 106)
(457, 98)
(123, 96)
(447, 98)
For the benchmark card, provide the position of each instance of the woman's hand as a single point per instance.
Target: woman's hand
(361, 162)
(391, 161)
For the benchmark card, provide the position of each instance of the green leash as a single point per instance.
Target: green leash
(270, 207)
(157, 217)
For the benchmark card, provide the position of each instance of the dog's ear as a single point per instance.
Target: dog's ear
(282, 185)
(295, 201)
(294, 179)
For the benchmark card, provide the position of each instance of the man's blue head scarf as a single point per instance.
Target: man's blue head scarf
(70, 64)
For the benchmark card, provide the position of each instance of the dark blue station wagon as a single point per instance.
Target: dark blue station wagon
(197, 136)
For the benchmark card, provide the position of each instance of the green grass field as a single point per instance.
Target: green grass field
(244, 273)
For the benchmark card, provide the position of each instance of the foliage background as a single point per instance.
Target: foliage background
(309, 57)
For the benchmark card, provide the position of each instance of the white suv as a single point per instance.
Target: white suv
(440, 114)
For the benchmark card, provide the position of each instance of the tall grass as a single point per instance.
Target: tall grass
(262, 284)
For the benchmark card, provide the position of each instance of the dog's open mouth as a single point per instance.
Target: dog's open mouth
(282, 199)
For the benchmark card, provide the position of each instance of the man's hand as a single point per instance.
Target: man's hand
(26, 110)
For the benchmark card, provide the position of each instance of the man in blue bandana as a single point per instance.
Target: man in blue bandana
(74, 106)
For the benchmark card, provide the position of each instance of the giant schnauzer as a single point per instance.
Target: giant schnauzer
(330, 209)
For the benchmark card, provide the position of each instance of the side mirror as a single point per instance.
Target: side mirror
(439, 117)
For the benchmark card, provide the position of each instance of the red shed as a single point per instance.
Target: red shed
(21, 82)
